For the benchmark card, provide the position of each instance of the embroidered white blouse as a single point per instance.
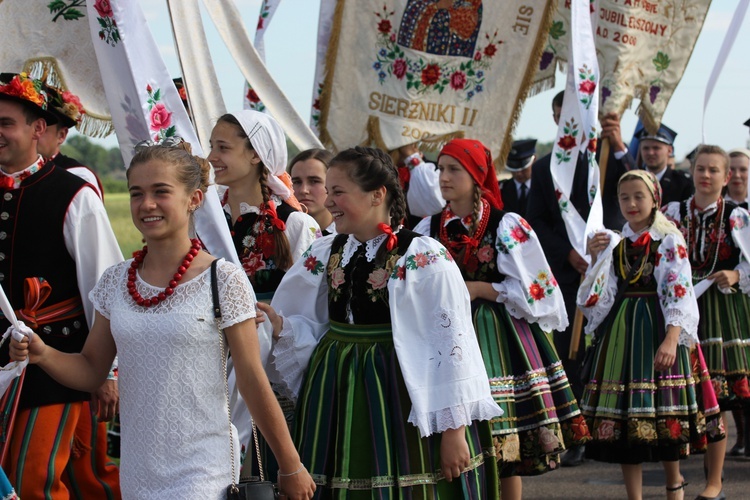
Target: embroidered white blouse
(739, 222)
(674, 285)
(432, 332)
(529, 290)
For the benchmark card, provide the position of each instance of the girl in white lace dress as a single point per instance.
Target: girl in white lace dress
(155, 312)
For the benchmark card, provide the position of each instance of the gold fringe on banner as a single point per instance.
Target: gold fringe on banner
(91, 124)
(528, 79)
(330, 64)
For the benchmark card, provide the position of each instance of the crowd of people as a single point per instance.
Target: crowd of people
(410, 303)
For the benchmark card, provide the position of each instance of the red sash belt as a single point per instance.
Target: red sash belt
(36, 292)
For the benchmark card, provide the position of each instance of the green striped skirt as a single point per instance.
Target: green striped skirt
(529, 383)
(635, 413)
(724, 333)
(352, 432)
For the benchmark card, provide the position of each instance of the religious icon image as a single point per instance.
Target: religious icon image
(441, 27)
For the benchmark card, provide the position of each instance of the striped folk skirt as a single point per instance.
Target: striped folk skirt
(635, 413)
(352, 432)
(529, 383)
(724, 333)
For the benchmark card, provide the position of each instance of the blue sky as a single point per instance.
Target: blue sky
(290, 57)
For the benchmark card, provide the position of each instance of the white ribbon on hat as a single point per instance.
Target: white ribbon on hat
(269, 142)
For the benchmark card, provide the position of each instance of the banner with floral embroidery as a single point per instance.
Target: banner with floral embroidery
(267, 10)
(40, 36)
(643, 47)
(426, 71)
(325, 26)
(576, 133)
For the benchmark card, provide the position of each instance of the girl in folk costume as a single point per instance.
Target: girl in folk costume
(248, 153)
(176, 436)
(718, 242)
(648, 393)
(392, 397)
(514, 301)
(308, 172)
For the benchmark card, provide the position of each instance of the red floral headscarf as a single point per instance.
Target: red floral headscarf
(477, 160)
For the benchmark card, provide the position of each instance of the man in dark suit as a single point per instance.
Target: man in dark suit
(566, 263)
(515, 191)
(676, 185)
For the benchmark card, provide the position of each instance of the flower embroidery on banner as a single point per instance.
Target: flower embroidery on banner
(586, 85)
(426, 76)
(568, 141)
(556, 32)
(66, 10)
(108, 32)
(160, 117)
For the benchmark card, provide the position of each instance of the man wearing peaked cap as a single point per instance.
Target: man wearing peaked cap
(61, 243)
(654, 151)
(515, 191)
(68, 110)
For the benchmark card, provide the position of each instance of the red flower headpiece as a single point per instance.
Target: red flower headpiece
(27, 89)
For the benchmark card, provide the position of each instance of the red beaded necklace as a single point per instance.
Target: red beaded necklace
(138, 257)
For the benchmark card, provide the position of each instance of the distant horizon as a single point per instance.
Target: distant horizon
(293, 66)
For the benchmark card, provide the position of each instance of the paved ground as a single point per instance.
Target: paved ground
(594, 480)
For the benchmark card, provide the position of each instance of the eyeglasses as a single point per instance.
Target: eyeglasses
(169, 142)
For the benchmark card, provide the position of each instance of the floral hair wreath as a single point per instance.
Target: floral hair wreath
(66, 103)
(27, 89)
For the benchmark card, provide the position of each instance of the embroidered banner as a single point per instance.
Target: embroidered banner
(267, 10)
(405, 71)
(39, 35)
(643, 48)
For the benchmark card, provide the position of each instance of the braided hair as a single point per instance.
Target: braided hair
(370, 169)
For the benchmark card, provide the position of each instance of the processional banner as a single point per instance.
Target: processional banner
(425, 71)
(53, 36)
(643, 48)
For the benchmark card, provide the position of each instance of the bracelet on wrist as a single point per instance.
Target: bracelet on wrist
(280, 474)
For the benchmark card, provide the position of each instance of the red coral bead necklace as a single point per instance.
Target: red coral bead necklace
(195, 247)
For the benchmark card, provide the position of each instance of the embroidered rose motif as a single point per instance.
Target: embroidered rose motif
(384, 26)
(671, 277)
(567, 142)
(548, 440)
(679, 290)
(103, 8)
(580, 429)
(591, 148)
(645, 431)
(160, 117)
(587, 87)
(399, 68)
(400, 272)
(253, 263)
(511, 448)
(420, 260)
(592, 300)
(333, 262)
(741, 389)
(490, 50)
(337, 278)
(519, 234)
(674, 428)
(682, 252)
(252, 96)
(312, 264)
(430, 74)
(536, 291)
(606, 430)
(485, 254)
(378, 279)
(458, 80)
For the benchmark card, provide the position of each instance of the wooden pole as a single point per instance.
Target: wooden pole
(575, 337)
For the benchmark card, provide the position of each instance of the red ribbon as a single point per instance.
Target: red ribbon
(643, 240)
(392, 239)
(470, 244)
(271, 212)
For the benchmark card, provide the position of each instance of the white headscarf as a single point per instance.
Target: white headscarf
(269, 142)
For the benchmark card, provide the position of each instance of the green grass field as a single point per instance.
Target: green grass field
(118, 209)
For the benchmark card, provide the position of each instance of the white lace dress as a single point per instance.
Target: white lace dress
(173, 408)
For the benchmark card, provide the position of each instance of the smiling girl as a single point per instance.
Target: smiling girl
(154, 311)
(392, 397)
(642, 402)
(718, 244)
(514, 300)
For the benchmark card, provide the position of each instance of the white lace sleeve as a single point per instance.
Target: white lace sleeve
(236, 296)
(302, 300)
(739, 222)
(103, 293)
(675, 288)
(529, 290)
(435, 341)
(301, 230)
(596, 295)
